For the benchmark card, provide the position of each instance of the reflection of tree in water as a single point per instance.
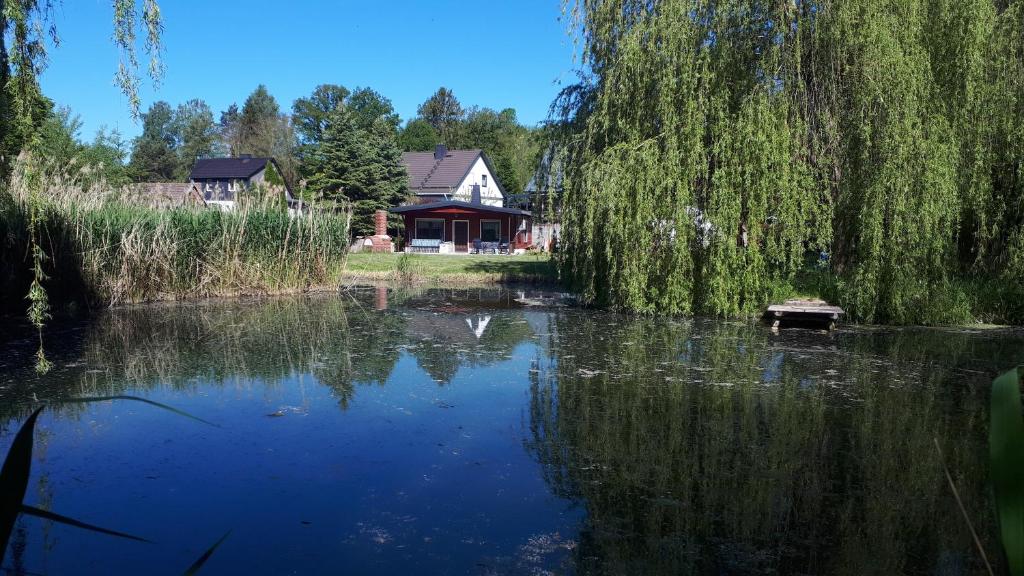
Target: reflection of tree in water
(230, 343)
(453, 328)
(717, 448)
(372, 341)
(442, 342)
(341, 340)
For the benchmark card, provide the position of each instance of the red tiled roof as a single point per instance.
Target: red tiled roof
(467, 206)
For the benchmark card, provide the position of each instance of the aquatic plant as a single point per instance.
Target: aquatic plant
(14, 477)
(405, 268)
(1006, 446)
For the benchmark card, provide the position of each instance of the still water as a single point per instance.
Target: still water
(499, 432)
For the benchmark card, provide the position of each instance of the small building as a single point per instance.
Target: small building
(452, 175)
(166, 194)
(221, 179)
(461, 223)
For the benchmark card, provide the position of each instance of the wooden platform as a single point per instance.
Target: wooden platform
(815, 313)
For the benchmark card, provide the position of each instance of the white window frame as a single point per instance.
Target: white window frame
(416, 228)
(483, 179)
(482, 230)
(231, 185)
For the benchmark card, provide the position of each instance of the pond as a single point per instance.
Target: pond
(501, 432)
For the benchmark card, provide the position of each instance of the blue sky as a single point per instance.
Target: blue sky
(497, 53)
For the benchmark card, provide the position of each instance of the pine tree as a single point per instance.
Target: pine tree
(359, 167)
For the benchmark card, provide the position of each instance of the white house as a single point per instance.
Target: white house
(453, 175)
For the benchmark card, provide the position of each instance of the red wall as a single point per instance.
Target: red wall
(522, 239)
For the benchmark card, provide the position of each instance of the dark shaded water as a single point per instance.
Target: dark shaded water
(468, 432)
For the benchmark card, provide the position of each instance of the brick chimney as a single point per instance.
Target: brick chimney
(380, 241)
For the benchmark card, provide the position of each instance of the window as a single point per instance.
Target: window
(429, 229)
(483, 180)
(231, 185)
(490, 230)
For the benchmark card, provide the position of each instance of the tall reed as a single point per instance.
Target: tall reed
(105, 246)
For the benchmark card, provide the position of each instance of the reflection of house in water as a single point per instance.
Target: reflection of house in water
(447, 329)
(481, 325)
(444, 341)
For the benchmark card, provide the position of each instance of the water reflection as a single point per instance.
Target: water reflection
(703, 447)
(652, 446)
(345, 341)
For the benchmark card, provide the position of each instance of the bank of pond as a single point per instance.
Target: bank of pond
(98, 248)
(392, 431)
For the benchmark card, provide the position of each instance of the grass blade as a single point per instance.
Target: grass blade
(963, 510)
(90, 399)
(14, 479)
(206, 555)
(47, 515)
(1006, 450)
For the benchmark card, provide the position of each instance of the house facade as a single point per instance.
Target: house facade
(460, 175)
(462, 223)
(220, 180)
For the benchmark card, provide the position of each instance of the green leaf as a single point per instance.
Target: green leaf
(1006, 448)
(14, 479)
(90, 399)
(47, 515)
(206, 555)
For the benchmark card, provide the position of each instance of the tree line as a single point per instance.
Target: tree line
(720, 155)
(334, 146)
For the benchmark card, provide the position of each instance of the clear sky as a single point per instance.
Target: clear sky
(493, 53)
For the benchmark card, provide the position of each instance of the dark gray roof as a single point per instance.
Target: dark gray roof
(227, 167)
(457, 204)
(427, 174)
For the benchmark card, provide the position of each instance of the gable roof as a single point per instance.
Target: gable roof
(458, 204)
(166, 194)
(205, 168)
(427, 175)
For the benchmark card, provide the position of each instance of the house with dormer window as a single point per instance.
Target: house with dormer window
(453, 175)
(459, 206)
(220, 180)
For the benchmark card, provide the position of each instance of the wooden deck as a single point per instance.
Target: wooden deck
(804, 312)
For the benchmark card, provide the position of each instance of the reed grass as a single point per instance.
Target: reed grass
(105, 246)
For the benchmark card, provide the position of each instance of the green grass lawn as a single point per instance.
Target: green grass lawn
(451, 270)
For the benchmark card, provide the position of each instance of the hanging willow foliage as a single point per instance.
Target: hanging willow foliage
(717, 150)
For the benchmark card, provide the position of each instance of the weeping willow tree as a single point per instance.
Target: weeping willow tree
(25, 26)
(716, 150)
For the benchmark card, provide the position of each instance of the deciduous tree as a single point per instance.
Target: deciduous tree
(154, 155)
(418, 136)
(444, 113)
